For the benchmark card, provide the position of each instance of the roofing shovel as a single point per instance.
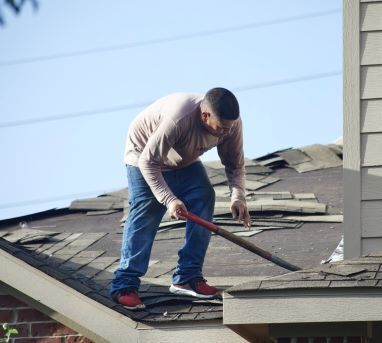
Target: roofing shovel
(237, 240)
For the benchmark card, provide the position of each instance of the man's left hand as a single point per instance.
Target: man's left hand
(240, 211)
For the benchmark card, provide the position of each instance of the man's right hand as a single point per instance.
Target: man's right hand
(174, 206)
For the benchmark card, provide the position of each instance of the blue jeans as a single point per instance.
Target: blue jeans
(189, 184)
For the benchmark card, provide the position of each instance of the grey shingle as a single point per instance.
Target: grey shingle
(100, 213)
(278, 284)
(286, 206)
(90, 253)
(188, 316)
(218, 179)
(353, 283)
(99, 203)
(170, 234)
(271, 161)
(322, 157)
(294, 156)
(160, 268)
(29, 235)
(340, 269)
(209, 315)
(257, 169)
(58, 239)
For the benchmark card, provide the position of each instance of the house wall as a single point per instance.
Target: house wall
(33, 326)
(362, 127)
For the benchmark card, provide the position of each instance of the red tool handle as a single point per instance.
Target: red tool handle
(200, 221)
(237, 240)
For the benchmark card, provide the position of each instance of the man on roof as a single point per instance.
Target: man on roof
(164, 173)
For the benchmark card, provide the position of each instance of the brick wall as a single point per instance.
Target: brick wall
(32, 325)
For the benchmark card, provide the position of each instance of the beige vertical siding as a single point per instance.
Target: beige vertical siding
(371, 149)
(371, 219)
(371, 183)
(371, 116)
(371, 244)
(371, 48)
(371, 16)
(352, 129)
(370, 69)
(371, 82)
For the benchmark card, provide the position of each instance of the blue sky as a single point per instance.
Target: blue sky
(109, 57)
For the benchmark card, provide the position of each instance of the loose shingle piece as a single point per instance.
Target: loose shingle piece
(262, 207)
(25, 236)
(309, 158)
(102, 203)
(352, 273)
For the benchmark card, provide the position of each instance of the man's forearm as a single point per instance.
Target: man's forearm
(236, 182)
(154, 178)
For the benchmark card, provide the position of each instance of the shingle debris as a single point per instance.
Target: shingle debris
(359, 273)
(80, 260)
(308, 158)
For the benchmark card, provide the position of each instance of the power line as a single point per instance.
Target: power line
(45, 200)
(74, 115)
(168, 39)
(287, 81)
(146, 103)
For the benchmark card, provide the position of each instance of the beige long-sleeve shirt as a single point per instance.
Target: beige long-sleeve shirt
(169, 134)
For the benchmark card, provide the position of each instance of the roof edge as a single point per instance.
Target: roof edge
(295, 306)
(37, 289)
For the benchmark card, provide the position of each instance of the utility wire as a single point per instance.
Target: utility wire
(168, 39)
(74, 115)
(287, 81)
(146, 103)
(45, 200)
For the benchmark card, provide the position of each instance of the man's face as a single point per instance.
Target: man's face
(215, 126)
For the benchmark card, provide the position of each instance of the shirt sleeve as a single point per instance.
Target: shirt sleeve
(232, 157)
(152, 158)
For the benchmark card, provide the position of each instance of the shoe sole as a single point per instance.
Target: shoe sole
(182, 291)
(138, 307)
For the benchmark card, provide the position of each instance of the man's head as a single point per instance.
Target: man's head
(219, 111)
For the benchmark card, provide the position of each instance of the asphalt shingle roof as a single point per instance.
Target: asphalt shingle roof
(363, 272)
(80, 245)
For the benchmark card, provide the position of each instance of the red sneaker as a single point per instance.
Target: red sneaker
(197, 287)
(130, 300)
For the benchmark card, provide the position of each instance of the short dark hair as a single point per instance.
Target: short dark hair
(223, 103)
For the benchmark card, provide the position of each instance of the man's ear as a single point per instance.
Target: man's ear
(205, 116)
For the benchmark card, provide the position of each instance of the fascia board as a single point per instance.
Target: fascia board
(191, 333)
(340, 305)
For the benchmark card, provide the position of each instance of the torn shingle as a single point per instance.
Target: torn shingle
(294, 156)
(29, 235)
(321, 156)
(99, 203)
(344, 270)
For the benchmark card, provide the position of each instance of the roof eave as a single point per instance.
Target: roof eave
(64, 304)
(302, 306)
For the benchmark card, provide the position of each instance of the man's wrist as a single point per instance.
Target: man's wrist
(170, 201)
(237, 194)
